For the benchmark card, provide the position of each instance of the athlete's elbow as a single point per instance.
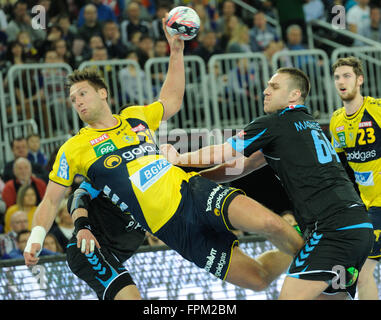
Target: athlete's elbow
(171, 107)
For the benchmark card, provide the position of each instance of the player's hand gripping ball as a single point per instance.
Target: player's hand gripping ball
(183, 21)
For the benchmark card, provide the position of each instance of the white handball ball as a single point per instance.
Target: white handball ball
(183, 21)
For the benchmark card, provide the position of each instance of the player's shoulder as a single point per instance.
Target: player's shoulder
(263, 120)
(73, 142)
(338, 114)
(130, 111)
(371, 102)
(136, 111)
(82, 134)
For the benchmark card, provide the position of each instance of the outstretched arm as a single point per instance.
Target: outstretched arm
(172, 91)
(204, 157)
(43, 220)
(235, 169)
(228, 164)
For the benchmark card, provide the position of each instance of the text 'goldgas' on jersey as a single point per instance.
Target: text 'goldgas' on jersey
(124, 162)
(359, 136)
(303, 158)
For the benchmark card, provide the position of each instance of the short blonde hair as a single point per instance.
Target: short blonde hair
(91, 75)
(350, 61)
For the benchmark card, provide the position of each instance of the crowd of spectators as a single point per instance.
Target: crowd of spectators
(78, 31)
(111, 29)
(22, 186)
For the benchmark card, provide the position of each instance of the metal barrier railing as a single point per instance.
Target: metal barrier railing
(37, 91)
(195, 111)
(314, 36)
(237, 82)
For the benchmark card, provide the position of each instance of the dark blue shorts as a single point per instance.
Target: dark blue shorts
(101, 270)
(375, 216)
(336, 250)
(200, 230)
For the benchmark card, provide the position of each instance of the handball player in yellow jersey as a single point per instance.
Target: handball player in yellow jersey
(191, 214)
(356, 136)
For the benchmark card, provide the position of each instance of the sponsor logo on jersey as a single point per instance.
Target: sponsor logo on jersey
(112, 162)
(361, 156)
(104, 148)
(210, 198)
(139, 152)
(220, 197)
(342, 141)
(63, 168)
(364, 178)
(144, 178)
(341, 128)
(210, 261)
(365, 124)
(128, 139)
(221, 264)
(138, 128)
(100, 139)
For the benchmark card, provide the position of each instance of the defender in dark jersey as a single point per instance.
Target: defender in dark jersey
(327, 207)
(118, 237)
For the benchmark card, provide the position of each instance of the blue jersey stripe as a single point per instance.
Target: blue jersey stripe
(356, 226)
(240, 144)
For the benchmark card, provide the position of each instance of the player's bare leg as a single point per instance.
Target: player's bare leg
(248, 215)
(256, 274)
(367, 287)
(130, 292)
(298, 289)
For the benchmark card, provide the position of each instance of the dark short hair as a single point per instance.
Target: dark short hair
(350, 61)
(299, 79)
(22, 2)
(91, 75)
(20, 233)
(16, 139)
